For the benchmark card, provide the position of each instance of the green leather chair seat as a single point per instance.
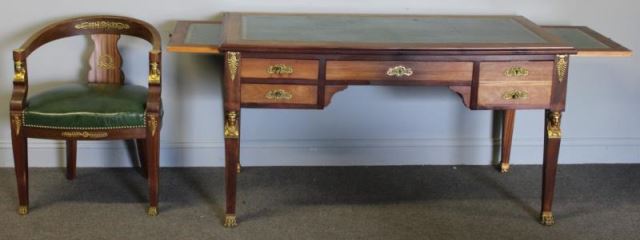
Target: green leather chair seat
(87, 107)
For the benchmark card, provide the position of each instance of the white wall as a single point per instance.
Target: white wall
(364, 125)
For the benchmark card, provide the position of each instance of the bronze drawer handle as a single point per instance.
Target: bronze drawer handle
(279, 94)
(515, 95)
(516, 71)
(280, 69)
(399, 71)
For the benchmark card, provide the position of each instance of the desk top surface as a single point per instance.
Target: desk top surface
(386, 32)
(366, 33)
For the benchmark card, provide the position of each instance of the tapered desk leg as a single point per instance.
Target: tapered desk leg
(232, 154)
(507, 136)
(231, 94)
(20, 158)
(552, 139)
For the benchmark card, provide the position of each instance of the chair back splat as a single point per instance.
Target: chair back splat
(105, 61)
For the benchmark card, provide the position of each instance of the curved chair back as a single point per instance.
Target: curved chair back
(105, 31)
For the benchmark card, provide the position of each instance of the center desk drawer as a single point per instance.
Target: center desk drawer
(279, 93)
(279, 69)
(399, 70)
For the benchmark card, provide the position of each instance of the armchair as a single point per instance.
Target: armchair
(104, 108)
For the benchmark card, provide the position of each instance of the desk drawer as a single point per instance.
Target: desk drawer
(516, 71)
(279, 93)
(529, 94)
(399, 70)
(279, 69)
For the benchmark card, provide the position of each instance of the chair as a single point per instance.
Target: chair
(102, 109)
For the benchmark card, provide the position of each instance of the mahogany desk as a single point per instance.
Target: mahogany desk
(302, 60)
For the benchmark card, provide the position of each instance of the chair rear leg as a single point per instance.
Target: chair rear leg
(142, 149)
(153, 156)
(20, 159)
(72, 149)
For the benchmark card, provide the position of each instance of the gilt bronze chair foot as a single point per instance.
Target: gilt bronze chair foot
(23, 210)
(230, 221)
(152, 211)
(546, 218)
(504, 167)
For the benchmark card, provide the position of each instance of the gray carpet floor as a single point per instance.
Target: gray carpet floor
(408, 202)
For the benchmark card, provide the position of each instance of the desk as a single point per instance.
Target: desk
(302, 60)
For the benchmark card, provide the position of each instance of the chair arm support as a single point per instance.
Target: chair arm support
(20, 81)
(155, 81)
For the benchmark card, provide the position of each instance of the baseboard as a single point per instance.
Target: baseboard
(336, 152)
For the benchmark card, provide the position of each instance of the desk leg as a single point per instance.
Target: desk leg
(507, 136)
(552, 139)
(232, 154)
(231, 133)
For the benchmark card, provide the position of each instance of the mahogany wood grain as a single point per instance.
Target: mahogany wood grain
(301, 94)
(559, 87)
(329, 91)
(549, 167)
(490, 95)
(507, 137)
(377, 70)
(111, 134)
(464, 92)
(21, 163)
(495, 71)
(152, 144)
(231, 96)
(232, 156)
(72, 149)
(105, 60)
(141, 148)
(258, 68)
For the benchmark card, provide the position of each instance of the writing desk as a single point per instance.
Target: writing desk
(302, 60)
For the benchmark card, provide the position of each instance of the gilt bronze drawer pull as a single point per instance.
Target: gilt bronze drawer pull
(280, 69)
(516, 71)
(399, 71)
(515, 95)
(279, 94)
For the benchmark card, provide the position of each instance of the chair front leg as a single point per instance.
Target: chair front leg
(152, 161)
(20, 158)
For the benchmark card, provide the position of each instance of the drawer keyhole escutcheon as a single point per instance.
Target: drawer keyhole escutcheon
(280, 69)
(515, 95)
(278, 94)
(399, 71)
(516, 71)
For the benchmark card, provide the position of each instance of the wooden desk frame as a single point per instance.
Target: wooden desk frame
(552, 58)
